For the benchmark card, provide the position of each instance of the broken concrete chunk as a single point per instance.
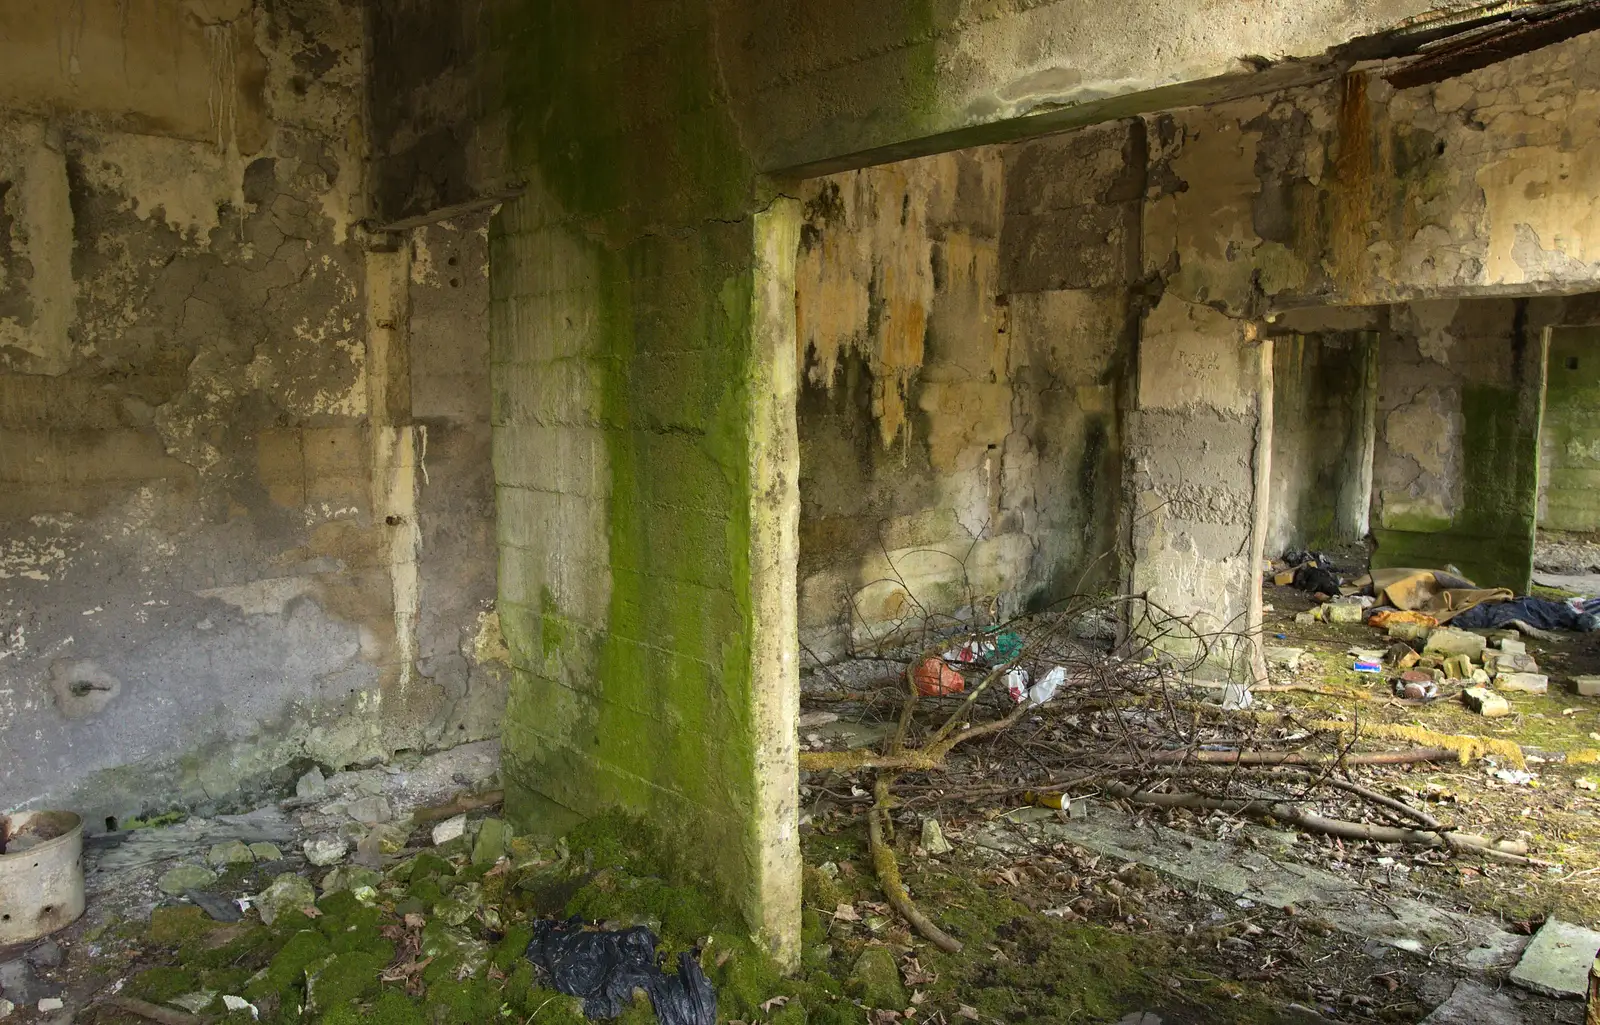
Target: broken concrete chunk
(196, 1002)
(1528, 683)
(186, 877)
(1457, 667)
(1286, 658)
(1447, 641)
(1344, 612)
(234, 852)
(49, 1004)
(45, 955)
(1586, 686)
(1511, 646)
(288, 892)
(449, 829)
(1479, 678)
(933, 840)
(1498, 662)
(1409, 632)
(6, 1007)
(313, 786)
(1557, 960)
(1473, 1003)
(1485, 702)
(1305, 618)
(370, 811)
(323, 851)
(494, 835)
(263, 851)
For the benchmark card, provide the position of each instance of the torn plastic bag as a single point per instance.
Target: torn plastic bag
(605, 968)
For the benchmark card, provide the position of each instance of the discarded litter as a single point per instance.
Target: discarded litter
(1017, 683)
(935, 678)
(970, 652)
(605, 967)
(1363, 666)
(1045, 689)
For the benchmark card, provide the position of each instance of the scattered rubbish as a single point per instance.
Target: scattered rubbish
(1017, 683)
(49, 1004)
(1585, 783)
(1516, 777)
(449, 829)
(1312, 577)
(1541, 613)
(1008, 645)
(1447, 641)
(1497, 662)
(1557, 960)
(970, 652)
(934, 678)
(1363, 666)
(6, 1007)
(1385, 618)
(1237, 696)
(218, 909)
(41, 874)
(1485, 702)
(1401, 656)
(1416, 690)
(1343, 611)
(933, 840)
(605, 967)
(1047, 686)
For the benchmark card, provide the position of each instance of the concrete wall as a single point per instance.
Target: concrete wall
(1570, 441)
(645, 470)
(244, 503)
(1455, 474)
(959, 420)
(1324, 389)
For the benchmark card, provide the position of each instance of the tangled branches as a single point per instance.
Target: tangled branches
(1149, 714)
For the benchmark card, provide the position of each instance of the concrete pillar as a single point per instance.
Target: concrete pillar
(1198, 440)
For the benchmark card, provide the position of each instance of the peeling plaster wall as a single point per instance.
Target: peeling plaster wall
(233, 536)
(963, 344)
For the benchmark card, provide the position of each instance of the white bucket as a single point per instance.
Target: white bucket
(41, 876)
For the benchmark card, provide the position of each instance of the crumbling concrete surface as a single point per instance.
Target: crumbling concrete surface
(234, 538)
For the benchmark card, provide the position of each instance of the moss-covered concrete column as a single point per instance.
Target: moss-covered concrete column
(1456, 466)
(645, 454)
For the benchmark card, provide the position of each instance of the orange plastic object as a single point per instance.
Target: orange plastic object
(934, 678)
(1384, 619)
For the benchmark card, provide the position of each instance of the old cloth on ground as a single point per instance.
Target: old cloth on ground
(605, 968)
(1537, 612)
(1441, 595)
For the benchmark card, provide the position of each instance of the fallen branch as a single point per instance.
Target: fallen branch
(1406, 757)
(460, 806)
(888, 869)
(1314, 823)
(930, 757)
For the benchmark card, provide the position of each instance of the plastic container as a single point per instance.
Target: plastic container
(41, 874)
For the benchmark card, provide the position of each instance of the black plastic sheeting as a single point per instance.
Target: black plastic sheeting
(1536, 612)
(606, 967)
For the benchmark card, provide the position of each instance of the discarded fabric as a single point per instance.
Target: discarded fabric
(1536, 612)
(605, 968)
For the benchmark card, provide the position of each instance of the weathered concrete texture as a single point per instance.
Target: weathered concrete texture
(1569, 463)
(1558, 959)
(961, 434)
(1455, 472)
(208, 546)
(1349, 192)
(1192, 448)
(1324, 390)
